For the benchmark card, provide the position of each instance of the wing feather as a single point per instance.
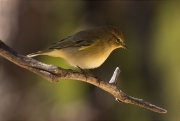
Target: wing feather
(78, 40)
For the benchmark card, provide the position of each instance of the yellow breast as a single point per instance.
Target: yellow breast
(85, 58)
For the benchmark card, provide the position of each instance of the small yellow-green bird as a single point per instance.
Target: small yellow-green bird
(86, 49)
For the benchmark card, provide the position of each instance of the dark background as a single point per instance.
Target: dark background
(150, 70)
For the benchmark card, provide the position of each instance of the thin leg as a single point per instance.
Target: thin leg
(92, 73)
(83, 71)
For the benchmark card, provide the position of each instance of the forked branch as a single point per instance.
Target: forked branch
(54, 73)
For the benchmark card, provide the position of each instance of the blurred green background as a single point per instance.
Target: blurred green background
(150, 70)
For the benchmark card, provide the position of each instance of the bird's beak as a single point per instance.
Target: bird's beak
(125, 47)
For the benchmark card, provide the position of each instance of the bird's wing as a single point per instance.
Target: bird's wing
(72, 42)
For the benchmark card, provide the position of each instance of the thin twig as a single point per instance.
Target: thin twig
(54, 73)
(115, 75)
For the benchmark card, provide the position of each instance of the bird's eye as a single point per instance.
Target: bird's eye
(117, 40)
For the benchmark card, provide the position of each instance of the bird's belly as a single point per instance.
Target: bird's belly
(89, 62)
(84, 60)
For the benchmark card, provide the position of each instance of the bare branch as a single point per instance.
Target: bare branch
(54, 73)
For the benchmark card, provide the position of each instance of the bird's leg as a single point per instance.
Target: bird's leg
(83, 71)
(92, 73)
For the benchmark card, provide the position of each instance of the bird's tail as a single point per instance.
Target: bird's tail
(39, 53)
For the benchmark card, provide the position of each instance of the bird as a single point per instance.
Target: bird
(86, 49)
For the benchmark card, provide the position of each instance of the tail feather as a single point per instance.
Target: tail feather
(38, 53)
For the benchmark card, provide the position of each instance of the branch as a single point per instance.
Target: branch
(54, 73)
